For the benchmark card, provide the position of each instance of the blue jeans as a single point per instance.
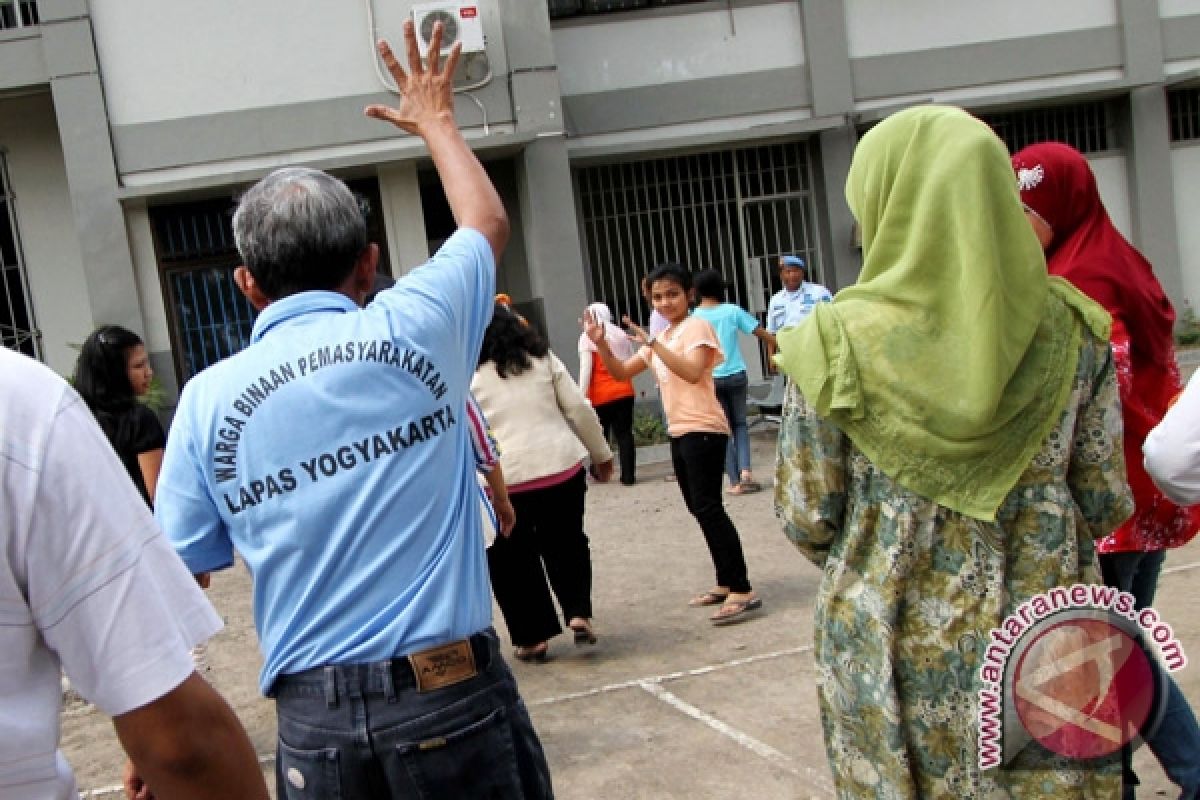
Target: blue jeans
(363, 730)
(731, 392)
(1176, 740)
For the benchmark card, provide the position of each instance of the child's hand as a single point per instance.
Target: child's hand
(635, 331)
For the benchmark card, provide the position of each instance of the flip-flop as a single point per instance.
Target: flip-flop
(750, 487)
(708, 599)
(532, 653)
(735, 611)
(583, 634)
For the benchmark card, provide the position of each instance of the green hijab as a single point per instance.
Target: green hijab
(951, 359)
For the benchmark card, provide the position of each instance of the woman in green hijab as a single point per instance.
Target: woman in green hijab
(950, 447)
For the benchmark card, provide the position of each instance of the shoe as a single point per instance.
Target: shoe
(745, 487)
(629, 482)
(735, 611)
(582, 629)
(709, 598)
(532, 653)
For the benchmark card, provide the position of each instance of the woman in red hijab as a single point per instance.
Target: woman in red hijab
(1082, 245)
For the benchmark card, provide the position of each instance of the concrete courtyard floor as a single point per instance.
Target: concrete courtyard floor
(666, 705)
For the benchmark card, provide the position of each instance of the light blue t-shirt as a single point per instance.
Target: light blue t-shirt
(727, 319)
(334, 455)
(791, 308)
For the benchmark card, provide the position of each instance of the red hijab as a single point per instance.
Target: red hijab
(1057, 183)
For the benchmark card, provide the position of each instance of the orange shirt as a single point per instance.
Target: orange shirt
(604, 388)
(690, 407)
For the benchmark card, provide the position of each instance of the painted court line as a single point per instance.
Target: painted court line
(745, 740)
(1180, 568)
(612, 687)
(670, 676)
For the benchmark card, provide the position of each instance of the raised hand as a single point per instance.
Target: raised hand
(592, 327)
(636, 332)
(427, 93)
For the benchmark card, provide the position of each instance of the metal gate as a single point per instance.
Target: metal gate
(17, 329)
(735, 211)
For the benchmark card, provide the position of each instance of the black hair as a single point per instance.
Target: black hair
(676, 273)
(509, 341)
(709, 284)
(101, 375)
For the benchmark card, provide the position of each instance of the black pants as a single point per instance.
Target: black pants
(549, 531)
(699, 460)
(617, 417)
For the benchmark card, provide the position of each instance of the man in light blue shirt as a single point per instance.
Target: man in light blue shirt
(796, 300)
(333, 454)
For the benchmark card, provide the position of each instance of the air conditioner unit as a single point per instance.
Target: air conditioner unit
(461, 22)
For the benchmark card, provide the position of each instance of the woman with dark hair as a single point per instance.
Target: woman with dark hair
(682, 358)
(729, 376)
(112, 372)
(544, 428)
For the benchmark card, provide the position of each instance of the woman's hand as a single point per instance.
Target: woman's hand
(636, 332)
(593, 327)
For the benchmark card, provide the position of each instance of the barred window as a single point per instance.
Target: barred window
(571, 8)
(1183, 106)
(209, 317)
(17, 330)
(1088, 127)
(18, 14)
(735, 211)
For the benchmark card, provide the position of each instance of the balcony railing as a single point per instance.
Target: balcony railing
(571, 8)
(18, 14)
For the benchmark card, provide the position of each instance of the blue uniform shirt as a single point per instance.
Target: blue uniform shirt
(791, 308)
(727, 319)
(334, 455)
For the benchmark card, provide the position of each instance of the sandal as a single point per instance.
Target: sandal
(745, 487)
(736, 611)
(532, 653)
(582, 628)
(709, 598)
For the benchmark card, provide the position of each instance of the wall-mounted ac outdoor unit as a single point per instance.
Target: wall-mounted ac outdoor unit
(460, 23)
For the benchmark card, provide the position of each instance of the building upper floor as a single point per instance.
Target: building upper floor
(197, 92)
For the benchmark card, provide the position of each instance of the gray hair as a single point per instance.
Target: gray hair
(299, 229)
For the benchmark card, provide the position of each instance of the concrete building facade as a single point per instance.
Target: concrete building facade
(621, 133)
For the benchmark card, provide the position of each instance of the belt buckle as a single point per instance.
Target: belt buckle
(444, 665)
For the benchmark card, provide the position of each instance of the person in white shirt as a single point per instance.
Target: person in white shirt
(1172, 448)
(89, 586)
(792, 304)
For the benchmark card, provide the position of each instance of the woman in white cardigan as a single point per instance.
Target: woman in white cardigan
(545, 428)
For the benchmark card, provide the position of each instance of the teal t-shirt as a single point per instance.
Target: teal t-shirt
(727, 319)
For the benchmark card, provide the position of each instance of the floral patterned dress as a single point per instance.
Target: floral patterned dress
(911, 591)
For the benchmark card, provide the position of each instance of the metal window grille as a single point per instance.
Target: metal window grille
(18, 14)
(1088, 127)
(1184, 109)
(17, 329)
(570, 8)
(735, 211)
(210, 318)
